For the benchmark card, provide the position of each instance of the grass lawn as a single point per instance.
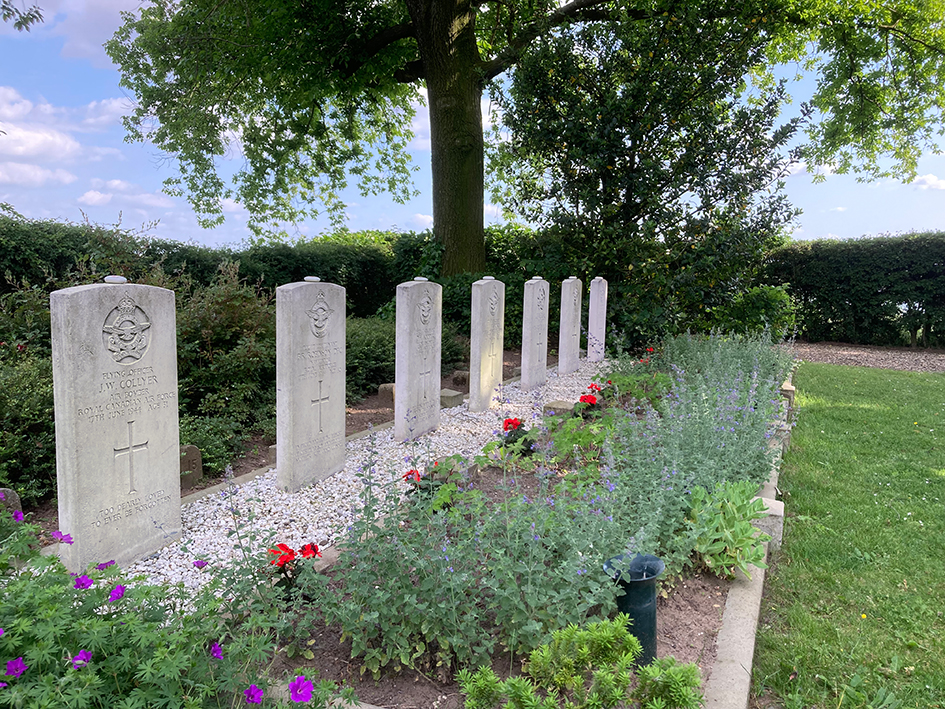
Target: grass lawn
(854, 614)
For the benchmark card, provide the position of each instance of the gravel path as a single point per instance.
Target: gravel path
(903, 358)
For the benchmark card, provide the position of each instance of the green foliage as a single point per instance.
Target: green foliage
(27, 437)
(22, 19)
(866, 291)
(370, 355)
(758, 309)
(664, 684)
(219, 439)
(588, 666)
(725, 539)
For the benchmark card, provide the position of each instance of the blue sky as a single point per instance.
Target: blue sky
(63, 154)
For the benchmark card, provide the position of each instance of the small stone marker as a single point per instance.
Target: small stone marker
(114, 352)
(10, 500)
(310, 382)
(450, 398)
(191, 460)
(486, 342)
(569, 335)
(417, 363)
(535, 333)
(597, 320)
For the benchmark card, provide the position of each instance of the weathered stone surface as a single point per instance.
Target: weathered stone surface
(487, 325)
(569, 334)
(535, 333)
(191, 459)
(554, 408)
(597, 320)
(114, 349)
(310, 382)
(386, 393)
(10, 500)
(417, 365)
(450, 398)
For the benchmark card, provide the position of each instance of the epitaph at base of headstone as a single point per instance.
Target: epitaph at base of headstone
(597, 320)
(114, 351)
(569, 334)
(310, 382)
(417, 363)
(486, 340)
(535, 333)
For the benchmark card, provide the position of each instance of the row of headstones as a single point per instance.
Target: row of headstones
(115, 390)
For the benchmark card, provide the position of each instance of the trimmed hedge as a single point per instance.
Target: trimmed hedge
(876, 291)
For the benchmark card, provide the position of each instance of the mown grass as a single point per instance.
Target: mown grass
(854, 614)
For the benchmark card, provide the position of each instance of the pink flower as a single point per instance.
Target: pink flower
(105, 564)
(216, 651)
(83, 582)
(62, 538)
(253, 695)
(300, 689)
(17, 515)
(16, 667)
(200, 563)
(82, 659)
(116, 593)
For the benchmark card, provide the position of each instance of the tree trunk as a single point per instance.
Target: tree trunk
(446, 34)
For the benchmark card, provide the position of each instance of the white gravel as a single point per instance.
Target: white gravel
(319, 513)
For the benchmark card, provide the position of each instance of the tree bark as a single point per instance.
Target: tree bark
(446, 35)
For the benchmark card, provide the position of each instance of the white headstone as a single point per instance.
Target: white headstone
(310, 382)
(114, 348)
(535, 333)
(417, 364)
(597, 320)
(487, 327)
(569, 335)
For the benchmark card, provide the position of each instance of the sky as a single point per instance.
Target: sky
(63, 155)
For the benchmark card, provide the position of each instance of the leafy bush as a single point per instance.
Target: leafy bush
(27, 436)
(219, 440)
(370, 355)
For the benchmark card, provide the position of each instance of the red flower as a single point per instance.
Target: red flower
(310, 550)
(595, 387)
(511, 424)
(609, 382)
(412, 475)
(285, 554)
(20, 348)
(588, 399)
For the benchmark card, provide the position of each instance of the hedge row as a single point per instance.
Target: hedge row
(880, 290)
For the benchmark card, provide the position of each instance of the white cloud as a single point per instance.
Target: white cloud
(104, 113)
(113, 185)
(85, 26)
(94, 198)
(37, 142)
(23, 175)
(838, 209)
(12, 105)
(151, 200)
(422, 221)
(492, 210)
(926, 182)
(231, 206)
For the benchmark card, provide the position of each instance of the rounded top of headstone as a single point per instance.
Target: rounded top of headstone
(313, 279)
(421, 278)
(599, 278)
(488, 278)
(572, 278)
(536, 278)
(115, 279)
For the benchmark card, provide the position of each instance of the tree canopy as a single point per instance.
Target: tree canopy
(317, 93)
(22, 19)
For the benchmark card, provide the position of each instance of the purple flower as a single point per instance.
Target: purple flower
(16, 667)
(216, 651)
(83, 582)
(17, 515)
(2, 497)
(1, 632)
(253, 695)
(105, 564)
(2, 685)
(82, 659)
(62, 538)
(300, 689)
(116, 593)
(200, 563)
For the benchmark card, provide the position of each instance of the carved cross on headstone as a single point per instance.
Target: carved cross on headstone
(130, 450)
(319, 401)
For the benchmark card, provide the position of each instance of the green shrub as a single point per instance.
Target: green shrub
(27, 435)
(369, 356)
(219, 440)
